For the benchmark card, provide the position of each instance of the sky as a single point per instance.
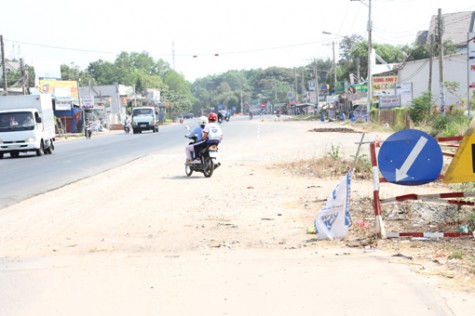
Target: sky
(206, 37)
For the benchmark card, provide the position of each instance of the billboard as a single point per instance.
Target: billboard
(51, 86)
(63, 91)
(385, 85)
(471, 60)
(404, 91)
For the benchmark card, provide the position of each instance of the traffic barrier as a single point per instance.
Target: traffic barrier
(448, 198)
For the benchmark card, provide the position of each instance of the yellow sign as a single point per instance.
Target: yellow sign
(462, 167)
(60, 88)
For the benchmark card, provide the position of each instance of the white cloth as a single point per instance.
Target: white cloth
(334, 218)
(214, 131)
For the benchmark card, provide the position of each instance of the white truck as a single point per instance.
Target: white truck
(26, 124)
(144, 118)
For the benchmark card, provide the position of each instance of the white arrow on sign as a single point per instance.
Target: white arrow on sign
(402, 172)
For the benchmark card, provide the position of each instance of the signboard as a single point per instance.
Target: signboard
(471, 60)
(404, 90)
(462, 167)
(58, 86)
(471, 73)
(389, 101)
(385, 85)
(410, 157)
(471, 45)
(87, 101)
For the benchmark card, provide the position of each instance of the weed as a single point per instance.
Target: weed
(335, 153)
(456, 254)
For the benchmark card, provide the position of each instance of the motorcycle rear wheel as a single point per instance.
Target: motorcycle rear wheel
(188, 170)
(208, 167)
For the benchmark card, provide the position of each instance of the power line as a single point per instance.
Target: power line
(168, 54)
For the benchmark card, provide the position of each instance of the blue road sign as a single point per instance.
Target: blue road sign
(410, 157)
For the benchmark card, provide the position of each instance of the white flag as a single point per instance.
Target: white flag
(334, 218)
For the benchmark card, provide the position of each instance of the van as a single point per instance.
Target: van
(144, 118)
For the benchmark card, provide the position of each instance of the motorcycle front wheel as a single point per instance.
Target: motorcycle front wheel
(208, 167)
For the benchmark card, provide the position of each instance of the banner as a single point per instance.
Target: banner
(385, 85)
(334, 218)
(471, 60)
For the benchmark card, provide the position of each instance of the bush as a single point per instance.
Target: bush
(454, 123)
(420, 111)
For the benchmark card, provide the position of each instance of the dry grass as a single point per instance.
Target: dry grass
(327, 167)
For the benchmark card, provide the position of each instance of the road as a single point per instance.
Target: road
(144, 239)
(79, 158)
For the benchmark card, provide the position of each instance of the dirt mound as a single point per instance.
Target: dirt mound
(334, 130)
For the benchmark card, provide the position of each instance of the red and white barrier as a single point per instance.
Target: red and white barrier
(430, 234)
(436, 197)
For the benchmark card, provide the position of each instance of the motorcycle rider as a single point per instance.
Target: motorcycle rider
(196, 135)
(212, 135)
(127, 124)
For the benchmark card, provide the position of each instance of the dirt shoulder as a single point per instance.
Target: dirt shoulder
(252, 204)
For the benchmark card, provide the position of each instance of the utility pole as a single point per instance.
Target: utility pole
(441, 63)
(4, 68)
(334, 68)
(23, 76)
(317, 86)
(370, 77)
(431, 56)
(358, 75)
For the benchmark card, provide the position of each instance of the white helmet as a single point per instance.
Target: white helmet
(203, 120)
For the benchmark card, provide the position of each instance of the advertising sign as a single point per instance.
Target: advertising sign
(385, 85)
(50, 86)
(404, 90)
(87, 101)
(471, 60)
(471, 45)
(471, 73)
(389, 101)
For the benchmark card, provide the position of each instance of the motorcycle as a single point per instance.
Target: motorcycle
(88, 130)
(127, 128)
(208, 159)
(251, 115)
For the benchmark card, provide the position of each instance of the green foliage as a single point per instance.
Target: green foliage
(362, 164)
(454, 123)
(334, 152)
(421, 108)
(400, 118)
(457, 254)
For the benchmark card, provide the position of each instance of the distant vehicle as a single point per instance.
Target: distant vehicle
(188, 116)
(144, 118)
(26, 124)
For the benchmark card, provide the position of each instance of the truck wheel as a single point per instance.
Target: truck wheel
(1, 155)
(50, 148)
(40, 151)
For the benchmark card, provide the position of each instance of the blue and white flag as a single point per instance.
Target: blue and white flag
(334, 218)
